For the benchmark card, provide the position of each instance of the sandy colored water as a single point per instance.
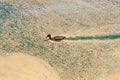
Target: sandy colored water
(27, 22)
(25, 67)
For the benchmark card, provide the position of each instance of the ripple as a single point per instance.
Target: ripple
(104, 37)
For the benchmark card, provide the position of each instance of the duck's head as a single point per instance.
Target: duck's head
(48, 36)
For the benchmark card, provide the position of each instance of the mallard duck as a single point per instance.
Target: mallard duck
(55, 38)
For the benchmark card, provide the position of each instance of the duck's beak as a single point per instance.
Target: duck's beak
(47, 38)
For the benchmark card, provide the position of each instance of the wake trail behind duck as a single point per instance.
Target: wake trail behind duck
(104, 37)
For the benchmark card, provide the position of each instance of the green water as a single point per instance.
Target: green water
(104, 37)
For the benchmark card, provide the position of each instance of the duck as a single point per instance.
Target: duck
(55, 38)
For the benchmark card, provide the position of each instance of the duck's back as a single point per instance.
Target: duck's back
(58, 37)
